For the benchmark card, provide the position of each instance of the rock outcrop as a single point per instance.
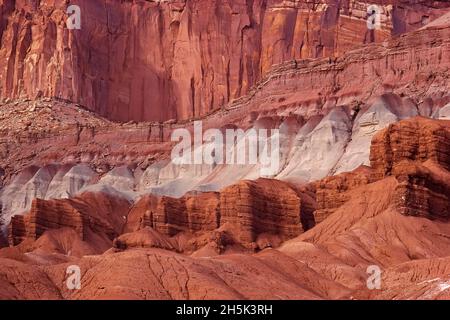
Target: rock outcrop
(247, 211)
(145, 238)
(417, 153)
(252, 208)
(295, 95)
(423, 190)
(169, 216)
(3, 240)
(419, 140)
(161, 60)
(371, 217)
(78, 189)
(98, 213)
(254, 214)
(332, 192)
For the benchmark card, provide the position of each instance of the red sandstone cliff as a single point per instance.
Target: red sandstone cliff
(152, 60)
(414, 67)
(394, 214)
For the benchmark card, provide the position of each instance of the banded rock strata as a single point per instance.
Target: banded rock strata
(160, 60)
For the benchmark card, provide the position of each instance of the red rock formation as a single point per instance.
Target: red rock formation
(145, 238)
(417, 153)
(3, 240)
(49, 131)
(252, 208)
(414, 65)
(398, 151)
(245, 211)
(394, 215)
(99, 213)
(170, 216)
(30, 275)
(373, 223)
(331, 192)
(418, 140)
(152, 60)
(422, 191)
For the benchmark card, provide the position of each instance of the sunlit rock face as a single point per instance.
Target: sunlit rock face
(393, 214)
(326, 118)
(161, 60)
(361, 168)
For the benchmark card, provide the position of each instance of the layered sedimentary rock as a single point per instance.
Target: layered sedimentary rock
(52, 149)
(413, 67)
(413, 151)
(62, 151)
(416, 152)
(102, 214)
(3, 240)
(369, 223)
(331, 192)
(264, 206)
(419, 140)
(170, 216)
(248, 212)
(145, 238)
(329, 261)
(160, 60)
(245, 211)
(422, 190)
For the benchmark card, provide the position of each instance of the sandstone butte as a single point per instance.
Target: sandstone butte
(365, 150)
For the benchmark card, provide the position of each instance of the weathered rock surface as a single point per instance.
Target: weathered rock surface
(50, 150)
(145, 238)
(294, 95)
(264, 206)
(161, 60)
(75, 175)
(419, 140)
(414, 152)
(169, 216)
(424, 190)
(331, 192)
(99, 213)
(369, 223)
(248, 211)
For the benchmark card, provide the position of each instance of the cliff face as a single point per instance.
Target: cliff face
(170, 216)
(51, 149)
(90, 212)
(413, 67)
(76, 185)
(155, 60)
(247, 212)
(416, 153)
(418, 141)
(261, 207)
